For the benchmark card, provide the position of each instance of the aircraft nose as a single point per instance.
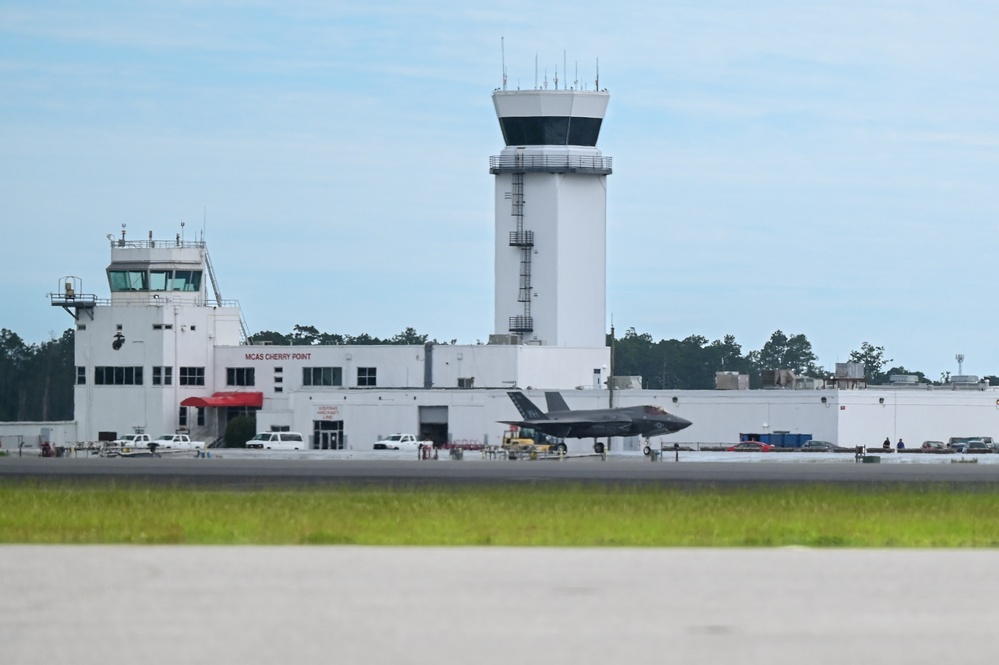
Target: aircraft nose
(681, 423)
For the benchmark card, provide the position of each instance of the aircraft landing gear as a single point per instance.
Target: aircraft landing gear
(647, 450)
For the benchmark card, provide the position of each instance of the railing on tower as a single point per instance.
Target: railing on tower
(521, 163)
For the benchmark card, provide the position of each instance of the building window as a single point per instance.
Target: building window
(278, 370)
(81, 376)
(322, 376)
(240, 376)
(162, 376)
(117, 376)
(278, 379)
(182, 417)
(81, 326)
(165, 280)
(367, 377)
(201, 416)
(192, 376)
(279, 389)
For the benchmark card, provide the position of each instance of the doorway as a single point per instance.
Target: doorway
(327, 435)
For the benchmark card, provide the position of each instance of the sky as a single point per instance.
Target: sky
(826, 169)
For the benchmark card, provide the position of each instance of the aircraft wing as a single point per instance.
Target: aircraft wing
(610, 425)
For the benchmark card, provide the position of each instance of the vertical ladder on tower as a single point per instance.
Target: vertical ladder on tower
(525, 241)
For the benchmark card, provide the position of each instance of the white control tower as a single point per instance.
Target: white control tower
(551, 217)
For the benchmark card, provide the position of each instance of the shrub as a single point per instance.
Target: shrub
(240, 430)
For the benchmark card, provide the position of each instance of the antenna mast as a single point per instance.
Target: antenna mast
(503, 60)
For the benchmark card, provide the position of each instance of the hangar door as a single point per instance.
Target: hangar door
(433, 424)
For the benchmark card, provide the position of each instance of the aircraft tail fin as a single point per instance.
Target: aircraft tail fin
(556, 402)
(526, 407)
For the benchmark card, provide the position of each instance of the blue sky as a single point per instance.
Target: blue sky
(827, 169)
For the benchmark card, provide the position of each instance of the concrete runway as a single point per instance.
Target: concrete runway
(303, 605)
(322, 604)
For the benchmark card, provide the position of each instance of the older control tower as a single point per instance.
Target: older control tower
(551, 217)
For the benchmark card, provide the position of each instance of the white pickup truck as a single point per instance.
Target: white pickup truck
(277, 441)
(133, 441)
(401, 442)
(177, 442)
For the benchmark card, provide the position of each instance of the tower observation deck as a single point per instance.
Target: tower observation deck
(551, 217)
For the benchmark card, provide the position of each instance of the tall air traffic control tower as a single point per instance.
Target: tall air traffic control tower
(551, 217)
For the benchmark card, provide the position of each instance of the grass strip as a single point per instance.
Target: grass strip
(507, 515)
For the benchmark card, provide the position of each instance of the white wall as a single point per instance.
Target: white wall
(60, 433)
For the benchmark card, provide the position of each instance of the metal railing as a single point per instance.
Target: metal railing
(521, 324)
(550, 164)
(522, 238)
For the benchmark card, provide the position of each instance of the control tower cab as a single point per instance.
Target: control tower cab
(551, 218)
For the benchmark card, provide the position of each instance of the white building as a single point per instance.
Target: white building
(165, 353)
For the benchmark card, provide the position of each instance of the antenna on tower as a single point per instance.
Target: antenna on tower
(960, 364)
(598, 74)
(503, 60)
(556, 77)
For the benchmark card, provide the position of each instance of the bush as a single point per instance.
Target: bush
(240, 430)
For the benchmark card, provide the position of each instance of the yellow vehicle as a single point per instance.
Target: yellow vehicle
(529, 440)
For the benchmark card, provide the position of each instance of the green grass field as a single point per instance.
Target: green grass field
(532, 515)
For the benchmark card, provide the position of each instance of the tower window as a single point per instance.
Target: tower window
(192, 376)
(118, 376)
(162, 376)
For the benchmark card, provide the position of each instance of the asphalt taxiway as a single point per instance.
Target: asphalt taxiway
(239, 469)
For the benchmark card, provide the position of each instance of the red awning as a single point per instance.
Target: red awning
(227, 399)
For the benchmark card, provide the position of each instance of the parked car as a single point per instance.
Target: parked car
(990, 443)
(750, 447)
(976, 447)
(817, 446)
(935, 447)
(958, 443)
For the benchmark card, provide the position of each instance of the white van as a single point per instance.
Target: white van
(277, 441)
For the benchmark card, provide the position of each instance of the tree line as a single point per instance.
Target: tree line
(691, 363)
(36, 380)
(310, 336)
